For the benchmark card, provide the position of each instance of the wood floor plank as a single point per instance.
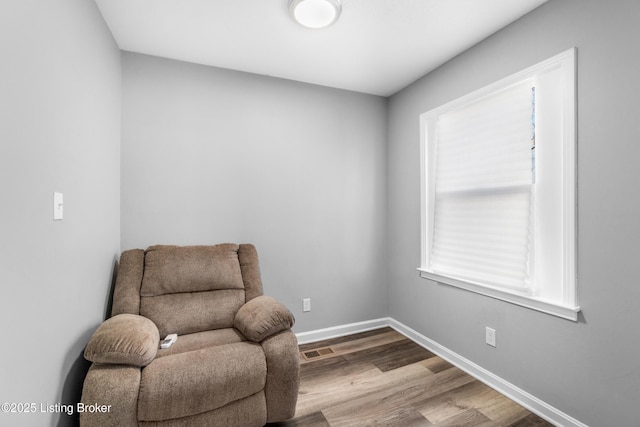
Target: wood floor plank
(315, 419)
(392, 356)
(470, 417)
(477, 396)
(399, 392)
(330, 370)
(502, 409)
(531, 420)
(351, 388)
(381, 378)
(348, 339)
(335, 389)
(386, 336)
(436, 364)
(456, 401)
(361, 342)
(401, 417)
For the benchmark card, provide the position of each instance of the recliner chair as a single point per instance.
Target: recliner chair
(235, 362)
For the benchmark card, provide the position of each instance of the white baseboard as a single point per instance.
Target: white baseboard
(342, 330)
(532, 403)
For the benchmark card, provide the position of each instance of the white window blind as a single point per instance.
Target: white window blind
(483, 189)
(499, 189)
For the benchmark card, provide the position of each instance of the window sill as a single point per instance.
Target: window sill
(554, 309)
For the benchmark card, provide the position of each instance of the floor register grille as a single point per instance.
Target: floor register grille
(316, 353)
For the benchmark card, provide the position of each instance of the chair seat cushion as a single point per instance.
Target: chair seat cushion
(197, 381)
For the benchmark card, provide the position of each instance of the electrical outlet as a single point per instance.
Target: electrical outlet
(490, 336)
(306, 304)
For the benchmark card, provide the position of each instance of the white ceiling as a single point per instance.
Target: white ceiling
(376, 47)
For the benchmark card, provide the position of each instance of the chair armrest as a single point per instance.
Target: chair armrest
(283, 375)
(114, 386)
(262, 317)
(124, 339)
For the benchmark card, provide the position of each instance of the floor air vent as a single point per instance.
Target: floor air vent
(318, 352)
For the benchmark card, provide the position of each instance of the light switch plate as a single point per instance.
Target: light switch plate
(58, 206)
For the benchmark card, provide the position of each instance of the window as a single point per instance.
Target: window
(498, 189)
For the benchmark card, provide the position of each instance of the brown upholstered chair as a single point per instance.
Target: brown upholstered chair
(235, 362)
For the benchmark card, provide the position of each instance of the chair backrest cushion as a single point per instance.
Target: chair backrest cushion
(189, 289)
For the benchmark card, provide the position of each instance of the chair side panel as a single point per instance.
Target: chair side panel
(250, 267)
(114, 388)
(126, 295)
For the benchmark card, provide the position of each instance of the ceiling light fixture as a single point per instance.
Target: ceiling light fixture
(315, 14)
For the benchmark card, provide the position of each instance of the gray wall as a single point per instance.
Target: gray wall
(589, 369)
(307, 174)
(59, 131)
(211, 155)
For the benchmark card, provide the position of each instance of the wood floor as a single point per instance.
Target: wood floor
(381, 378)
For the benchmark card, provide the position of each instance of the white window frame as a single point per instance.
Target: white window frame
(558, 295)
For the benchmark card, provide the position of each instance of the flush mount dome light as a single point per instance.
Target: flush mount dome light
(315, 13)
